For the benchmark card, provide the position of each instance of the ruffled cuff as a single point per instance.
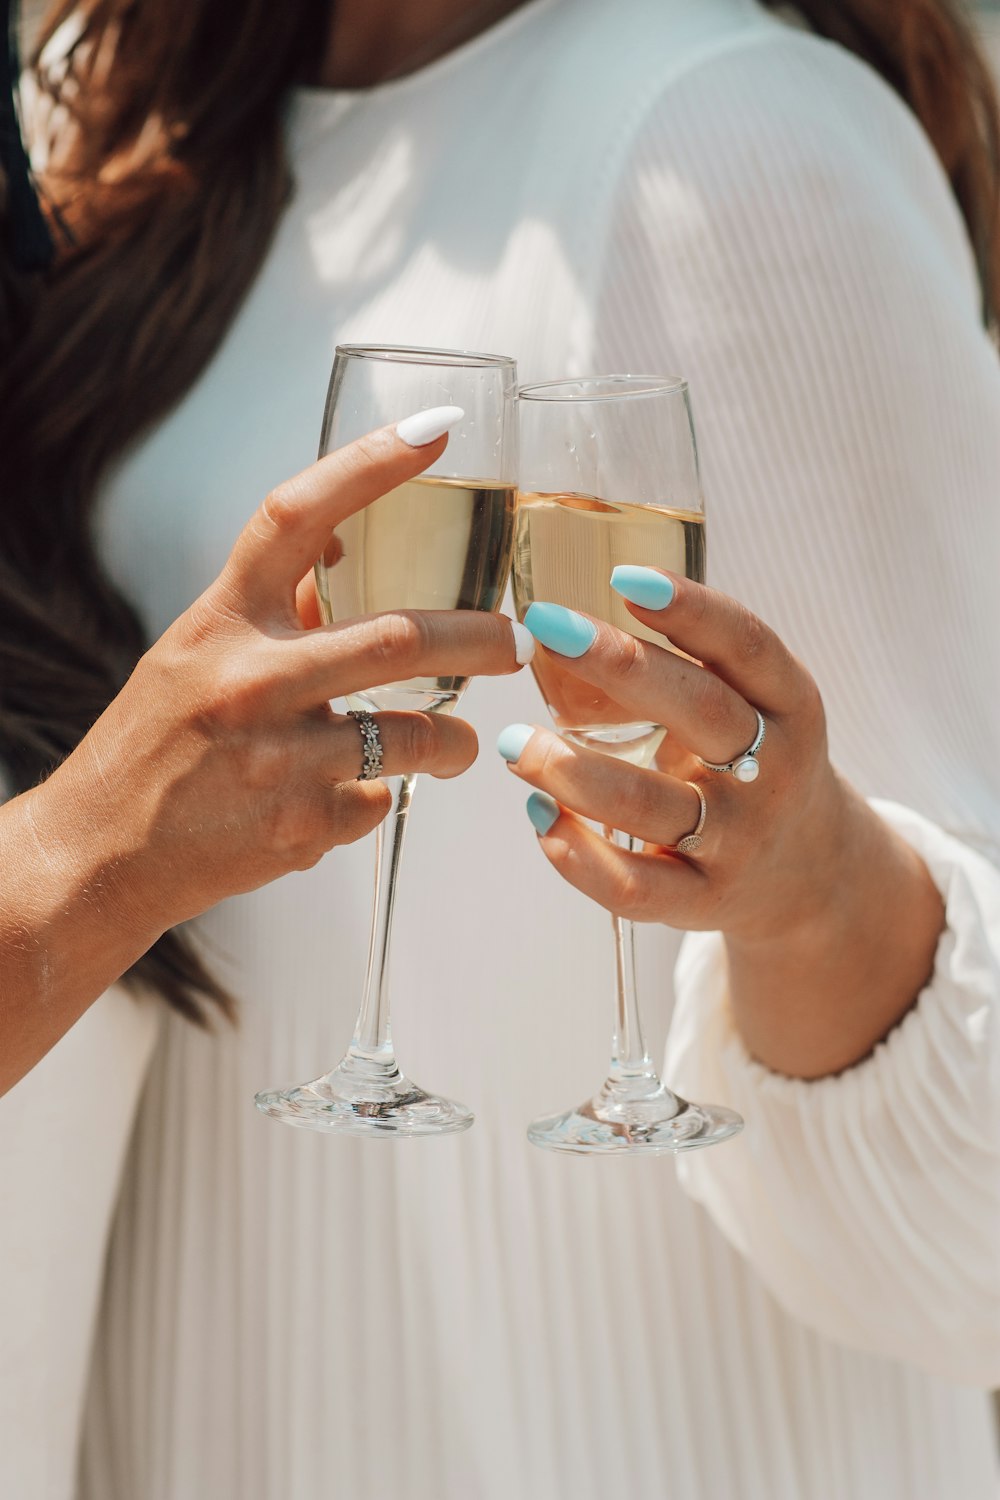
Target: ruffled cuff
(869, 1202)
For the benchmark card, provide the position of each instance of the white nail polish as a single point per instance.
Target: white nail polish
(424, 426)
(524, 643)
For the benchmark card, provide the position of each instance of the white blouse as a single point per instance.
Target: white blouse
(660, 184)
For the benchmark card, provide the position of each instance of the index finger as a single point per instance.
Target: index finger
(718, 631)
(289, 530)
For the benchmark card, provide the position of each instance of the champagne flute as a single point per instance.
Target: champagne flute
(609, 475)
(441, 541)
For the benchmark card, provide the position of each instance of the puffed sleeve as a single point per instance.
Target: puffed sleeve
(870, 1201)
(785, 238)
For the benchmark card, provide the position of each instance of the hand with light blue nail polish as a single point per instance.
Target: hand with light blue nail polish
(560, 629)
(753, 708)
(688, 724)
(580, 438)
(543, 811)
(643, 586)
(512, 740)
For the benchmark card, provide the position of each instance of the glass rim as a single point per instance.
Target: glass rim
(413, 354)
(635, 388)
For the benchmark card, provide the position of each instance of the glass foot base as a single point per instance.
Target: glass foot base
(350, 1101)
(657, 1123)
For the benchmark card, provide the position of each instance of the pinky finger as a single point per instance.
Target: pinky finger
(355, 809)
(641, 887)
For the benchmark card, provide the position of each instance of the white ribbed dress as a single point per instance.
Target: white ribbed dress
(684, 185)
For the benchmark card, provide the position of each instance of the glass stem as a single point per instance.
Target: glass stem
(372, 1041)
(630, 1059)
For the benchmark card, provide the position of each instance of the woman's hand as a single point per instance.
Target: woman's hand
(220, 765)
(831, 920)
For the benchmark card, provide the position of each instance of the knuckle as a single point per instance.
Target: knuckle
(547, 755)
(697, 601)
(750, 636)
(713, 705)
(641, 804)
(370, 449)
(213, 615)
(420, 742)
(632, 898)
(290, 828)
(308, 861)
(234, 695)
(353, 810)
(630, 658)
(282, 506)
(264, 763)
(378, 803)
(398, 640)
(197, 625)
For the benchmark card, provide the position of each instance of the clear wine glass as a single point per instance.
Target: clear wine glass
(609, 475)
(441, 541)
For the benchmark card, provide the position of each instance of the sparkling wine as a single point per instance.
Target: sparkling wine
(432, 543)
(565, 549)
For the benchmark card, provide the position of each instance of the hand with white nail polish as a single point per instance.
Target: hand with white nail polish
(431, 558)
(220, 765)
(427, 426)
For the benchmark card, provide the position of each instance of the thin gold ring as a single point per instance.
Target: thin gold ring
(692, 842)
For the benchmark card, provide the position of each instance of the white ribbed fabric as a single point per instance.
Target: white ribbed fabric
(919, 1276)
(657, 184)
(64, 1132)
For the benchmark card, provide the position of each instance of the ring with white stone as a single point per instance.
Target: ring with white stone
(744, 767)
(371, 742)
(692, 842)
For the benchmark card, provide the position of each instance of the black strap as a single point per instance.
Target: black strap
(26, 234)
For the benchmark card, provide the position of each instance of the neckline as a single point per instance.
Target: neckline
(315, 96)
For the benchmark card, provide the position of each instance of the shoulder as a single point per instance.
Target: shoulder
(716, 117)
(785, 132)
(603, 61)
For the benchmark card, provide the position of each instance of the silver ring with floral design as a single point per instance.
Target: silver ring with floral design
(371, 742)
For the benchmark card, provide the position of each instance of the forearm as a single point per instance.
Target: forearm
(818, 997)
(66, 930)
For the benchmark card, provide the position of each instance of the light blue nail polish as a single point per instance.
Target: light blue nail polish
(543, 811)
(512, 740)
(642, 586)
(562, 630)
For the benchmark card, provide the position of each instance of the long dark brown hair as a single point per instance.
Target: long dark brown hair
(168, 171)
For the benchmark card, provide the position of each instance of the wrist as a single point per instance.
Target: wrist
(65, 933)
(87, 868)
(817, 899)
(819, 995)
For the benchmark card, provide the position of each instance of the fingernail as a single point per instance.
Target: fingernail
(524, 643)
(642, 586)
(424, 426)
(543, 811)
(562, 630)
(512, 740)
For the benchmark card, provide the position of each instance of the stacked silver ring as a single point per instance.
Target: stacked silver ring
(371, 742)
(744, 767)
